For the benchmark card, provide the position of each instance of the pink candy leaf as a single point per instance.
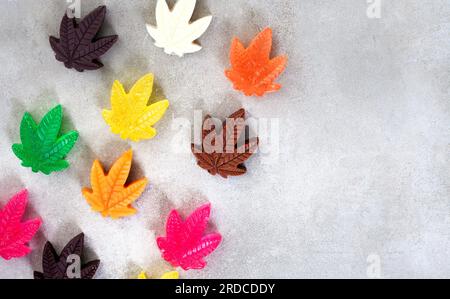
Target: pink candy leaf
(14, 234)
(185, 245)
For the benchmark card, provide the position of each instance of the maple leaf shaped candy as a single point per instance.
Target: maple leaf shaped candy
(130, 116)
(14, 234)
(109, 196)
(185, 245)
(62, 266)
(174, 33)
(78, 47)
(41, 148)
(223, 153)
(252, 71)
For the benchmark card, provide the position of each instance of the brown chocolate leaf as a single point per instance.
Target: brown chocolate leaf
(78, 46)
(56, 266)
(225, 157)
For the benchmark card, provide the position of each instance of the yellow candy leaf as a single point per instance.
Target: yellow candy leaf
(109, 195)
(171, 275)
(130, 117)
(168, 275)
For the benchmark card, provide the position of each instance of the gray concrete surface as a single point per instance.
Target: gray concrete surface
(364, 165)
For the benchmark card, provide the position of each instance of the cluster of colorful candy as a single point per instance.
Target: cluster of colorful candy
(42, 148)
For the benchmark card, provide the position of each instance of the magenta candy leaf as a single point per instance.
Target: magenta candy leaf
(185, 245)
(78, 46)
(14, 234)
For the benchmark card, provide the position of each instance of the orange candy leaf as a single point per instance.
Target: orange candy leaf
(252, 71)
(109, 195)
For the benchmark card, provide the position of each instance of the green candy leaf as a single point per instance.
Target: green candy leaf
(41, 149)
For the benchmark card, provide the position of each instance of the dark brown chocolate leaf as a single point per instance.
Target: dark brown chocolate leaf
(89, 270)
(75, 246)
(38, 275)
(55, 266)
(49, 261)
(77, 46)
(228, 157)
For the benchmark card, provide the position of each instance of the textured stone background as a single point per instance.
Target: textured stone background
(365, 121)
